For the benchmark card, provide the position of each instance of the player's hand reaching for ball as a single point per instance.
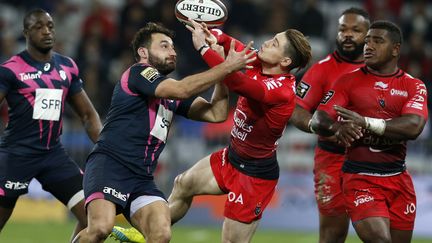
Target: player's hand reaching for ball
(198, 34)
(239, 60)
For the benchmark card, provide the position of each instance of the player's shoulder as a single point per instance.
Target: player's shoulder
(146, 71)
(63, 59)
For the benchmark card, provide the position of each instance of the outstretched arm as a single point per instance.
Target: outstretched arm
(87, 113)
(194, 84)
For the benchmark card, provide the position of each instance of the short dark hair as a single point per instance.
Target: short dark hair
(298, 49)
(143, 37)
(358, 11)
(30, 13)
(394, 32)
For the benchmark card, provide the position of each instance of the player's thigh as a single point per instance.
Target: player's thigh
(199, 179)
(153, 218)
(235, 231)
(101, 215)
(62, 177)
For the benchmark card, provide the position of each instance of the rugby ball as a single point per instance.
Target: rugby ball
(211, 12)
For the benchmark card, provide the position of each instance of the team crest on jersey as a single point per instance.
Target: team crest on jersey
(151, 74)
(302, 89)
(327, 97)
(257, 210)
(381, 103)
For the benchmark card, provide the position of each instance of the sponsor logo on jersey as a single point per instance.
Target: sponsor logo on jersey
(47, 66)
(327, 97)
(47, 105)
(302, 89)
(16, 185)
(396, 92)
(257, 210)
(381, 85)
(116, 194)
(162, 123)
(241, 128)
(381, 102)
(151, 74)
(26, 76)
(62, 75)
(361, 199)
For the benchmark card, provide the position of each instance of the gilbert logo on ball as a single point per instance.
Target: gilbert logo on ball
(211, 12)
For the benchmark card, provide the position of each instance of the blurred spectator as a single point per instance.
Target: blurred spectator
(312, 21)
(418, 20)
(384, 9)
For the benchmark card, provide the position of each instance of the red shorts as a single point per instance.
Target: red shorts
(328, 181)
(391, 197)
(247, 196)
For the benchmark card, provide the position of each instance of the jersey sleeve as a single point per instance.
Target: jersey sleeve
(144, 80)
(337, 95)
(310, 89)
(184, 106)
(225, 41)
(6, 78)
(246, 86)
(76, 82)
(417, 99)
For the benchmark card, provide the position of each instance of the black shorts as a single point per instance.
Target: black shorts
(106, 178)
(53, 170)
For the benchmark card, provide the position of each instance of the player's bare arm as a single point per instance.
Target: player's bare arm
(194, 84)
(346, 132)
(301, 119)
(87, 113)
(405, 127)
(215, 110)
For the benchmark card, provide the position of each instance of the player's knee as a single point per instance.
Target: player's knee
(377, 236)
(101, 230)
(162, 234)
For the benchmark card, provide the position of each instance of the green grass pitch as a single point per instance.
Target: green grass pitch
(56, 233)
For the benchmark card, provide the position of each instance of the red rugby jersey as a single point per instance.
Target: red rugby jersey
(315, 84)
(263, 109)
(377, 96)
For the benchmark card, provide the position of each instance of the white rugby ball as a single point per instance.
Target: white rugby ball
(211, 12)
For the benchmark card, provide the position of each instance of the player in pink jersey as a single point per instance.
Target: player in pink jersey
(36, 83)
(329, 156)
(247, 170)
(390, 108)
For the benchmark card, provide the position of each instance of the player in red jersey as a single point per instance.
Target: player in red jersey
(247, 170)
(391, 106)
(329, 156)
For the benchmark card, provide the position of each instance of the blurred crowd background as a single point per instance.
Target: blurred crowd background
(97, 34)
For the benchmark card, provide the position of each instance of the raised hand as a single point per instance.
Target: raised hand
(198, 33)
(238, 60)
